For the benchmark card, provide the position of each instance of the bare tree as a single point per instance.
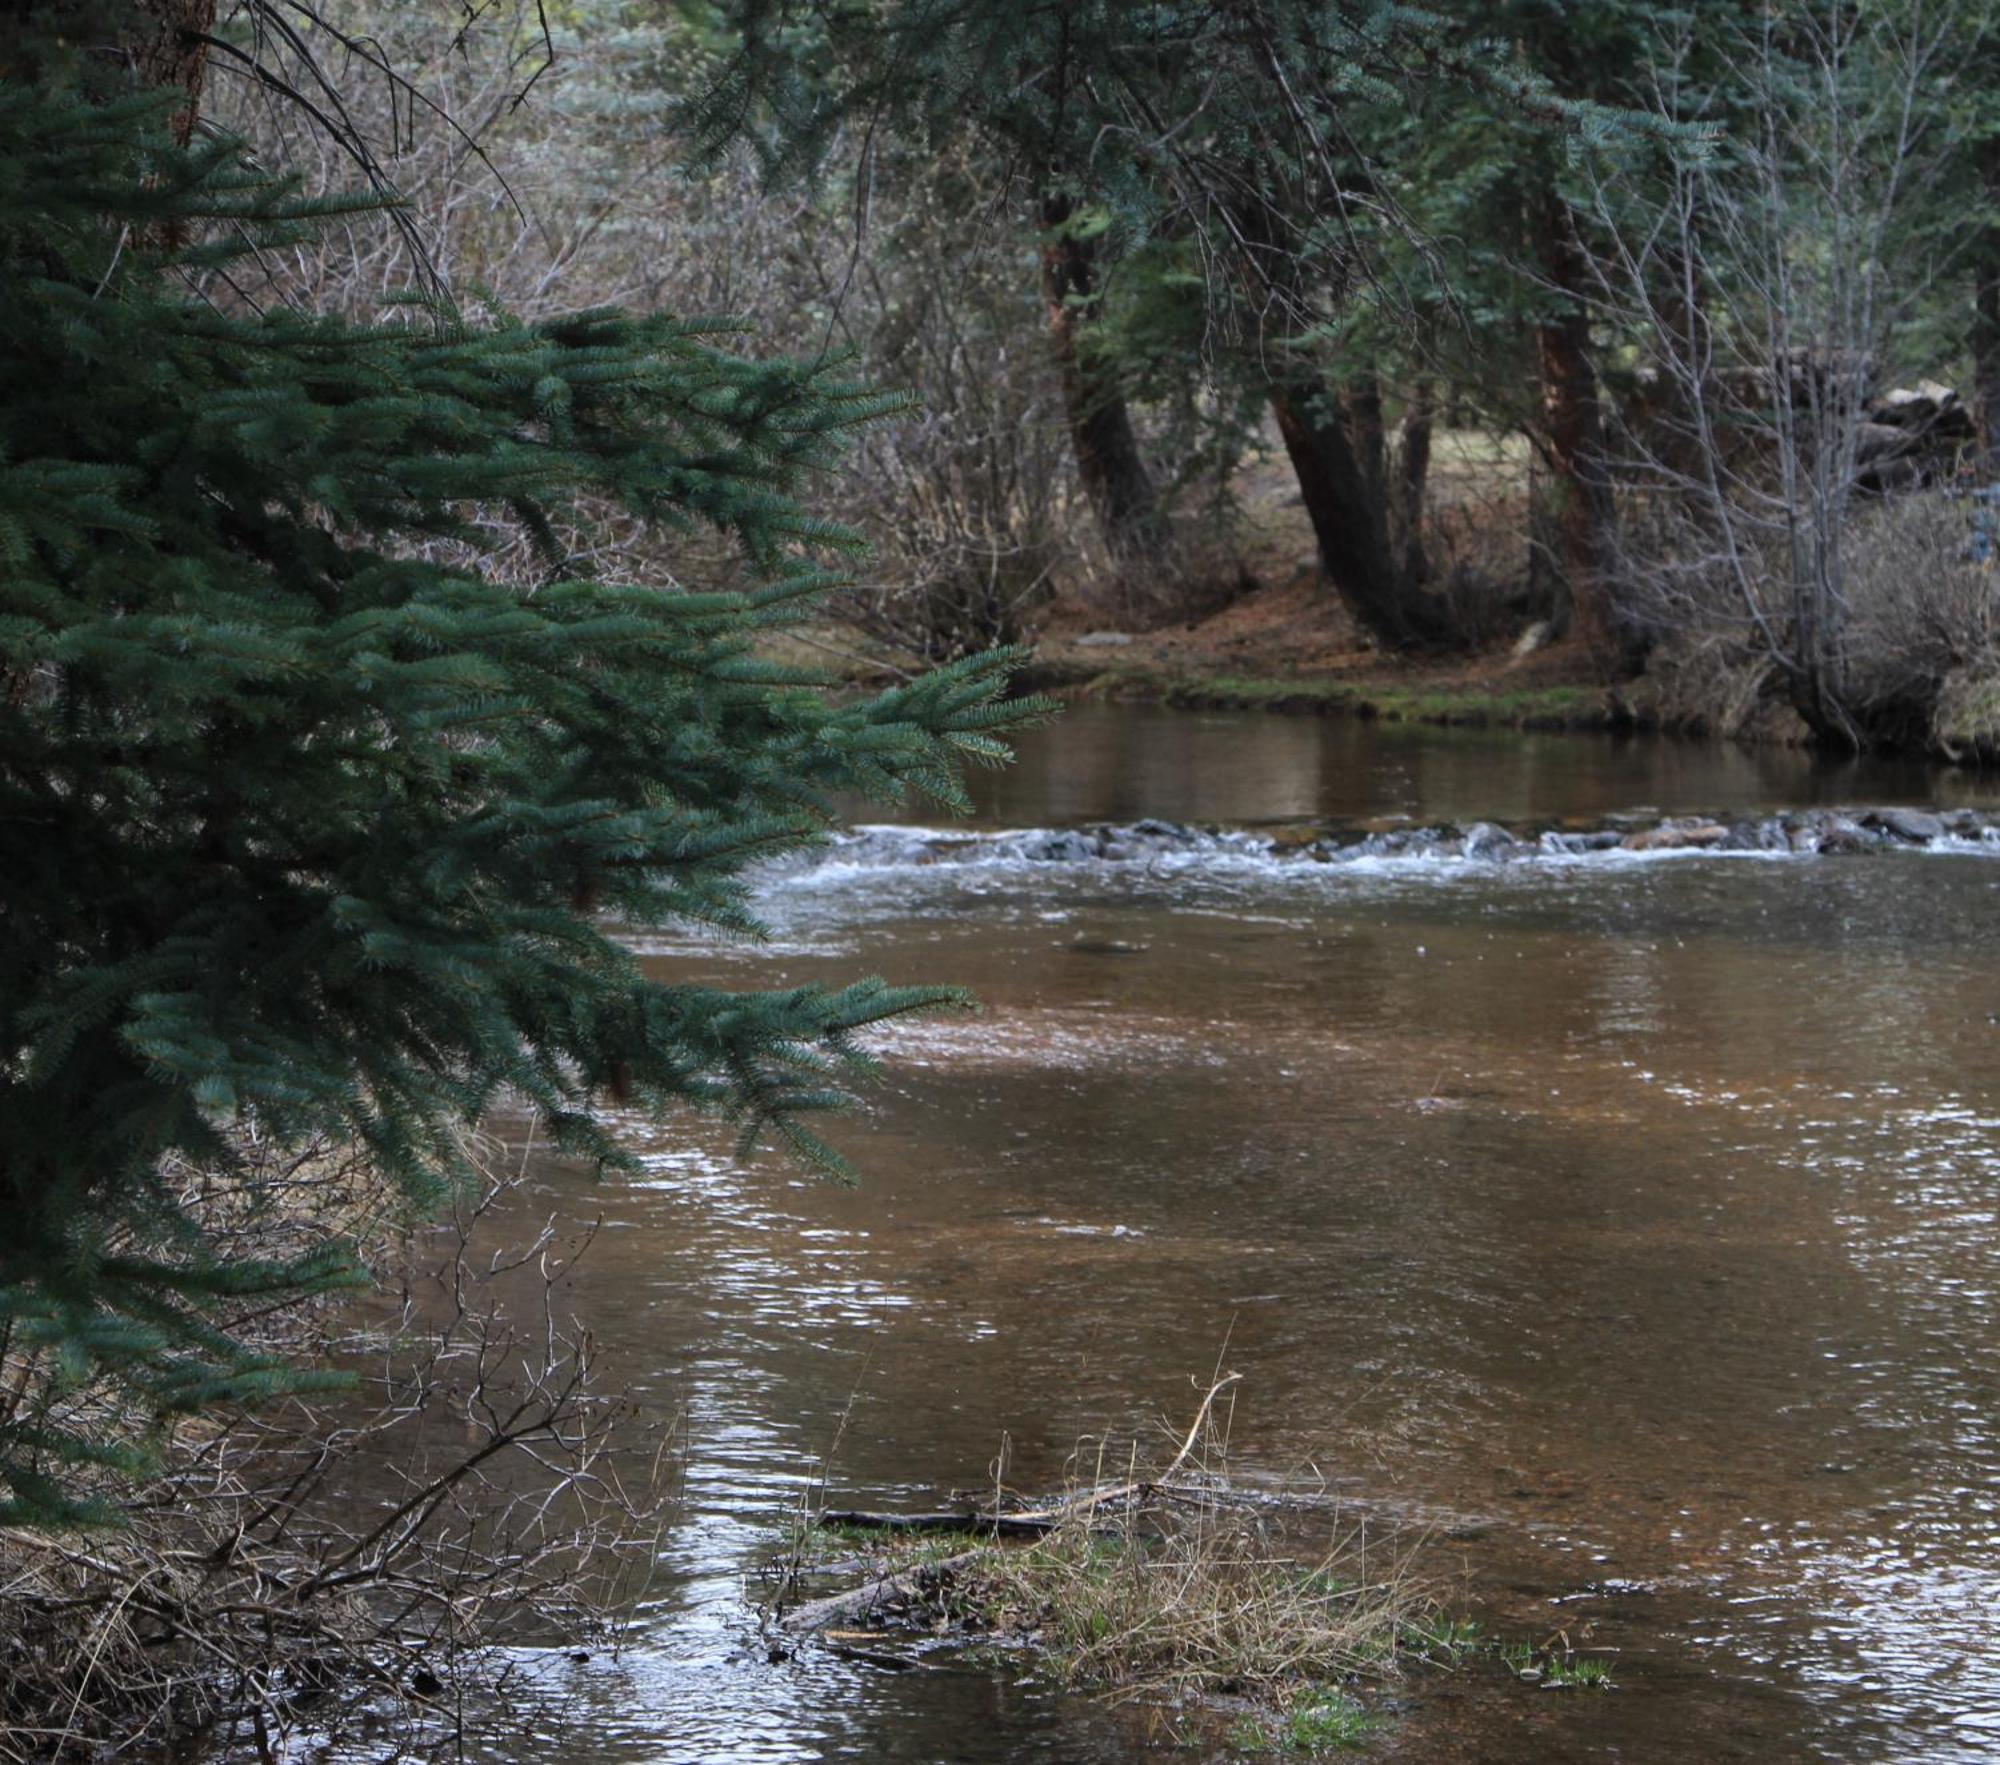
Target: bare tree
(1771, 279)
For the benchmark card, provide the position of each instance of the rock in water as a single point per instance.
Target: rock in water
(1672, 836)
(1917, 826)
(1484, 840)
(1064, 848)
(1838, 834)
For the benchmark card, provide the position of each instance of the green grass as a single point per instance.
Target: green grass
(1576, 1673)
(1440, 1639)
(1182, 1599)
(1324, 1720)
(810, 1547)
(1562, 1668)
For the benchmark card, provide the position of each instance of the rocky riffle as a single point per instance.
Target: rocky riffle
(1830, 832)
(1805, 831)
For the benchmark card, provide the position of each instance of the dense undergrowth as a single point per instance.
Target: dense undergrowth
(407, 1555)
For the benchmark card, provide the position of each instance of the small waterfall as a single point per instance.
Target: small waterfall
(1175, 846)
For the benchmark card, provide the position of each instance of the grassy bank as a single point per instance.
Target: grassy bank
(1205, 1620)
(1471, 704)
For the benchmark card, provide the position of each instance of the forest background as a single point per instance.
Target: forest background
(1520, 350)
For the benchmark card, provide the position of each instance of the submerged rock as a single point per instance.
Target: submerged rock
(1288, 840)
(1571, 843)
(1835, 833)
(1401, 842)
(1300, 845)
(1676, 836)
(1758, 836)
(1064, 848)
(1917, 826)
(1484, 840)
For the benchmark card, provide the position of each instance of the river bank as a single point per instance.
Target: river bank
(1291, 648)
(1259, 627)
(1251, 623)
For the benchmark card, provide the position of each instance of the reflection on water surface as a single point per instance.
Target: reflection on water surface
(1632, 1226)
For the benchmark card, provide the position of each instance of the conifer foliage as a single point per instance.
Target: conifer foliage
(308, 818)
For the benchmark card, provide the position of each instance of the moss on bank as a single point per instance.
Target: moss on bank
(1473, 705)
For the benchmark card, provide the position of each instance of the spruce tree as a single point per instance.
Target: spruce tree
(309, 817)
(1253, 132)
(1204, 119)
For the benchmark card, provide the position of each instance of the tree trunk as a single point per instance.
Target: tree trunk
(1108, 461)
(1394, 478)
(1410, 487)
(1572, 439)
(1361, 406)
(1336, 443)
(1986, 316)
(148, 42)
(1349, 513)
(169, 51)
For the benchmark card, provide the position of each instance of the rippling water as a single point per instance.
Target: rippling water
(1629, 1224)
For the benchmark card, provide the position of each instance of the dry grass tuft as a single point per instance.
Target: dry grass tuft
(1194, 1598)
(1177, 1586)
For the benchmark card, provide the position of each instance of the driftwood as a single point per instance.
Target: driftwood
(862, 1601)
(972, 1520)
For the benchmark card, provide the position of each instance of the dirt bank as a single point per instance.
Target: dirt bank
(1291, 647)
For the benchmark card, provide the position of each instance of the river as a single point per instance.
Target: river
(1626, 1223)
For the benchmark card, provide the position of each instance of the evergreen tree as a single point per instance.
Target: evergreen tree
(1505, 269)
(1619, 56)
(1014, 78)
(1279, 138)
(1202, 120)
(310, 819)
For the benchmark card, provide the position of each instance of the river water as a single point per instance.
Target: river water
(1626, 1223)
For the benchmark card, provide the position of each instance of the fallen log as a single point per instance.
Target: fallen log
(863, 1601)
(1140, 1489)
(972, 1520)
